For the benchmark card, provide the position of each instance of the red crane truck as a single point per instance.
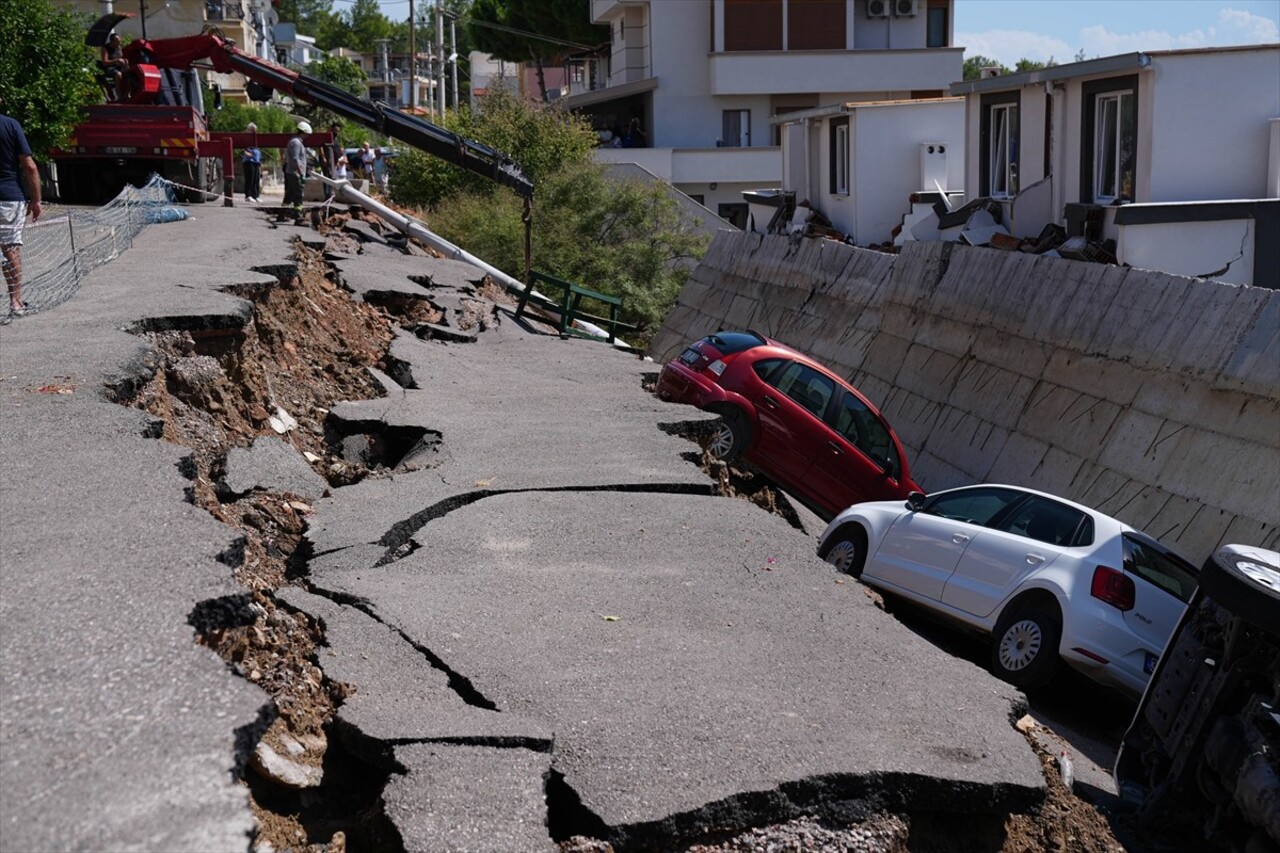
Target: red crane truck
(157, 124)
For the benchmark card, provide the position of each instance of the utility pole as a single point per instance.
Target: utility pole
(413, 66)
(440, 53)
(453, 55)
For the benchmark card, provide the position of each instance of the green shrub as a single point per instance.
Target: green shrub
(539, 139)
(622, 238)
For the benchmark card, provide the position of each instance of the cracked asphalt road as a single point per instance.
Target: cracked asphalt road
(740, 683)
(690, 661)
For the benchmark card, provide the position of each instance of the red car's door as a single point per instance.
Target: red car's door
(857, 461)
(791, 403)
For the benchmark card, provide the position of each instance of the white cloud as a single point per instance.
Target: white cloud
(1008, 46)
(1233, 26)
(1252, 29)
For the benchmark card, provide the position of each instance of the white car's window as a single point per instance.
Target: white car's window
(975, 506)
(806, 386)
(1170, 574)
(1046, 521)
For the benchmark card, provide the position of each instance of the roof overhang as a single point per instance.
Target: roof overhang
(1088, 68)
(850, 107)
(609, 93)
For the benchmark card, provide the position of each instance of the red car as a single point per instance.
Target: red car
(796, 421)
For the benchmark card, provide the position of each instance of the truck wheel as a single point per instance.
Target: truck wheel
(1024, 647)
(1248, 586)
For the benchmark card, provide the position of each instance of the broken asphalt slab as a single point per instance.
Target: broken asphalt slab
(119, 731)
(699, 666)
(513, 412)
(272, 464)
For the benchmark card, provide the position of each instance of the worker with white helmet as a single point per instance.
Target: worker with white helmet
(295, 169)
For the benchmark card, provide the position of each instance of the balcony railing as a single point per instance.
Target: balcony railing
(225, 10)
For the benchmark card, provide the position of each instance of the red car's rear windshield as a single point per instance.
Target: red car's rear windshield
(731, 343)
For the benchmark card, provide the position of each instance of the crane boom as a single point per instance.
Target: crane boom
(226, 58)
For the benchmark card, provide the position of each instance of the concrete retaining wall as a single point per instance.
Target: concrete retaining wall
(1152, 397)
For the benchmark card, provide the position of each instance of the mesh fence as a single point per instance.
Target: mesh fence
(68, 242)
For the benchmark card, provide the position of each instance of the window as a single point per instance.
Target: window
(816, 24)
(1045, 521)
(1115, 132)
(1109, 140)
(861, 428)
(1001, 137)
(840, 156)
(735, 213)
(765, 366)
(736, 129)
(974, 506)
(937, 23)
(752, 25)
(806, 386)
(1145, 560)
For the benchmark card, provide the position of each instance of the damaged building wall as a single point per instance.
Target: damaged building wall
(1151, 397)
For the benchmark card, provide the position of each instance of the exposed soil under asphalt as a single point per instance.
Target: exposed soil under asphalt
(307, 347)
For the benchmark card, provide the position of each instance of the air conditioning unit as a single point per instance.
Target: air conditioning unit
(904, 8)
(879, 8)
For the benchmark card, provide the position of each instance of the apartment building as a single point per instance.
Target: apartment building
(703, 78)
(1173, 154)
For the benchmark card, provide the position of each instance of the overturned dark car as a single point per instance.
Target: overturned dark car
(1201, 759)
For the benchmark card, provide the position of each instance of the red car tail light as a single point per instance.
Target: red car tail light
(1113, 587)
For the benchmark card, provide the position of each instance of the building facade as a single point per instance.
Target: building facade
(1174, 155)
(703, 78)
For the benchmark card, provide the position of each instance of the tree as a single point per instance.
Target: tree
(336, 71)
(367, 26)
(626, 239)
(539, 139)
(532, 30)
(46, 71)
(974, 64)
(315, 18)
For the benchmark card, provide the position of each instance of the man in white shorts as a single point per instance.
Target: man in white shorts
(19, 193)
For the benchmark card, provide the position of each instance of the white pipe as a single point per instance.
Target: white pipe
(413, 228)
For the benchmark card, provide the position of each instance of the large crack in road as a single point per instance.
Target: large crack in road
(434, 685)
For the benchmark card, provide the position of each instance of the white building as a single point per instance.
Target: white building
(293, 48)
(864, 166)
(704, 78)
(1175, 155)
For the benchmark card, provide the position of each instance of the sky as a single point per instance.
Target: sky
(1009, 30)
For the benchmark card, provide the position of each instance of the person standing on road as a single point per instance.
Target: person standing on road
(295, 169)
(19, 195)
(329, 158)
(252, 162)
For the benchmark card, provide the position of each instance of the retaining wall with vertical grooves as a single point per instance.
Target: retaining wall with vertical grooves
(1152, 397)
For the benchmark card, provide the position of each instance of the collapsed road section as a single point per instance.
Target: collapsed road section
(537, 624)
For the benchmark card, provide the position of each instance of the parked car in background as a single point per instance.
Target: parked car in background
(1201, 758)
(792, 418)
(1049, 580)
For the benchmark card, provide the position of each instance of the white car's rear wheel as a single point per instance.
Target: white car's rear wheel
(1024, 649)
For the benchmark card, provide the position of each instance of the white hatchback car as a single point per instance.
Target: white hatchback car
(1048, 579)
